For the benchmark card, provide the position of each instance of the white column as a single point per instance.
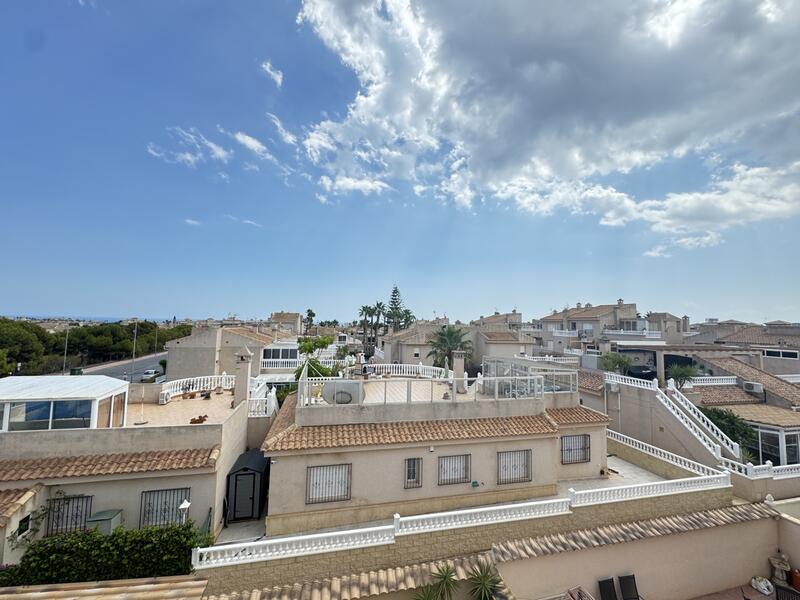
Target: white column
(782, 446)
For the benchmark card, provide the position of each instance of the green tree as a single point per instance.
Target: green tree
(6, 366)
(311, 347)
(365, 312)
(732, 425)
(682, 374)
(394, 311)
(20, 341)
(615, 362)
(309, 320)
(406, 319)
(380, 312)
(445, 341)
(484, 582)
(163, 364)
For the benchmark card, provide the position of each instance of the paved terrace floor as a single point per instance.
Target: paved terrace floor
(623, 473)
(179, 411)
(737, 593)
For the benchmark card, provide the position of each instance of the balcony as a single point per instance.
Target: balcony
(289, 364)
(643, 333)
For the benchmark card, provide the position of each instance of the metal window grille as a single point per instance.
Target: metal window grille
(160, 507)
(454, 469)
(67, 513)
(514, 466)
(575, 449)
(328, 483)
(413, 473)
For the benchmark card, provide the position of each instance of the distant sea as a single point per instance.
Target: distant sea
(87, 318)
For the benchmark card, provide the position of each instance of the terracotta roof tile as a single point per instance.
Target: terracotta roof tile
(592, 381)
(502, 336)
(185, 587)
(576, 415)
(771, 383)
(56, 467)
(713, 395)
(591, 312)
(403, 432)
(12, 500)
(766, 414)
(546, 545)
(757, 334)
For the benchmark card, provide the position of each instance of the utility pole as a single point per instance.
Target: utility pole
(66, 342)
(133, 359)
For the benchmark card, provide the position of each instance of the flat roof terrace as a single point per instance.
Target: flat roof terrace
(180, 411)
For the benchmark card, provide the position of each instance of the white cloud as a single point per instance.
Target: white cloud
(287, 136)
(344, 184)
(191, 222)
(533, 107)
(192, 148)
(275, 74)
(242, 221)
(659, 251)
(323, 199)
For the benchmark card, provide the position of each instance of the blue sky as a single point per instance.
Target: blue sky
(404, 152)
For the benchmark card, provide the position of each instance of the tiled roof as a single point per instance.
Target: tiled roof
(757, 334)
(711, 395)
(12, 500)
(766, 414)
(254, 335)
(185, 587)
(403, 432)
(591, 381)
(576, 415)
(771, 383)
(56, 467)
(591, 312)
(502, 336)
(546, 545)
(367, 584)
(284, 317)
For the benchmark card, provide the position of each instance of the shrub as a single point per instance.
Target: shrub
(92, 556)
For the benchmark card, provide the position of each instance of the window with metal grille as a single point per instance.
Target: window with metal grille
(67, 513)
(514, 466)
(575, 449)
(413, 473)
(328, 483)
(454, 469)
(161, 507)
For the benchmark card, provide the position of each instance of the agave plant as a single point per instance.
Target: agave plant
(484, 582)
(445, 582)
(427, 592)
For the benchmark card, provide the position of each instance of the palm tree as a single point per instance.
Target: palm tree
(406, 318)
(445, 341)
(364, 313)
(380, 311)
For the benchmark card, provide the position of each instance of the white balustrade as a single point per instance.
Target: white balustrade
(631, 381)
(698, 433)
(695, 412)
(661, 454)
(641, 333)
(195, 384)
(264, 406)
(564, 360)
(300, 545)
(786, 471)
(648, 490)
(791, 378)
(713, 380)
(483, 515)
(293, 363)
(407, 370)
(568, 333)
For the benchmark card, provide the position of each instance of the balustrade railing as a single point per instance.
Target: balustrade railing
(647, 490)
(700, 417)
(195, 384)
(568, 333)
(690, 425)
(661, 454)
(563, 360)
(293, 363)
(726, 380)
(641, 333)
(406, 370)
(631, 381)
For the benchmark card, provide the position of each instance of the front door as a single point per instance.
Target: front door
(244, 493)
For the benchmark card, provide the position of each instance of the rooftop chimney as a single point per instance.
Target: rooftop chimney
(578, 305)
(620, 302)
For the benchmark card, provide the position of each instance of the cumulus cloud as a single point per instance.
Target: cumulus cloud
(275, 74)
(534, 106)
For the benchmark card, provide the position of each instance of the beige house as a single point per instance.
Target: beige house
(435, 443)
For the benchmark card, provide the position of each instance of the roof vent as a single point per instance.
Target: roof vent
(619, 302)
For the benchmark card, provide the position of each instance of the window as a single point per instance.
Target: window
(790, 354)
(575, 449)
(27, 416)
(342, 339)
(160, 507)
(118, 416)
(104, 412)
(72, 414)
(416, 352)
(514, 466)
(454, 469)
(413, 473)
(328, 483)
(24, 525)
(67, 513)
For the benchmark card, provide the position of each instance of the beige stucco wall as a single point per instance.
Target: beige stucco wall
(789, 539)
(678, 566)
(194, 355)
(288, 512)
(234, 442)
(756, 490)
(646, 461)
(9, 555)
(454, 542)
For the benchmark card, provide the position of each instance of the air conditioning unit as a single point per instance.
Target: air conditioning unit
(612, 386)
(753, 387)
(163, 398)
